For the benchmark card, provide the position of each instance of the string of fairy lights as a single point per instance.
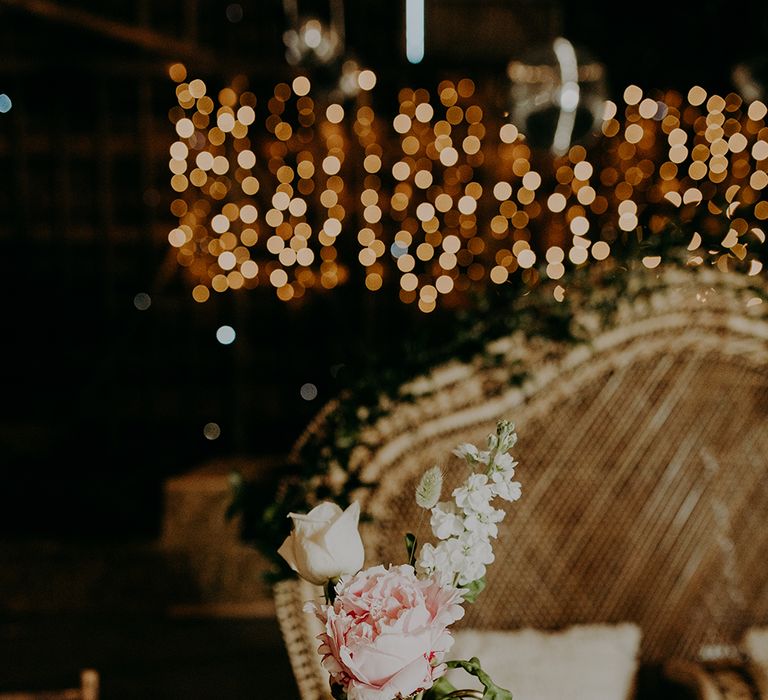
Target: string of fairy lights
(448, 196)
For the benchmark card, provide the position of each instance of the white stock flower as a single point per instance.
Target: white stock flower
(468, 451)
(485, 525)
(469, 556)
(435, 560)
(504, 464)
(483, 456)
(466, 525)
(506, 435)
(457, 560)
(471, 571)
(508, 490)
(476, 548)
(446, 520)
(475, 496)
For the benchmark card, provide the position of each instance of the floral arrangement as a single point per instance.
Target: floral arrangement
(386, 628)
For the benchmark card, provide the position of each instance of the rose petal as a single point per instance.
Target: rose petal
(415, 676)
(343, 540)
(387, 655)
(316, 520)
(313, 562)
(287, 553)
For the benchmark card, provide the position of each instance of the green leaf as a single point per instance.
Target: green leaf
(474, 589)
(440, 689)
(492, 691)
(410, 547)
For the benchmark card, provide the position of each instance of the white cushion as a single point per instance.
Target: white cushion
(582, 662)
(755, 646)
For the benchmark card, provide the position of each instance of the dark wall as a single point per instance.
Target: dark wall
(102, 401)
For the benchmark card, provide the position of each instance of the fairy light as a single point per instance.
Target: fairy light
(414, 30)
(569, 94)
(446, 197)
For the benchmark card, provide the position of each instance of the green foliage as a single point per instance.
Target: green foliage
(441, 688)
(491, 690)
(474, 589)
(410, 546)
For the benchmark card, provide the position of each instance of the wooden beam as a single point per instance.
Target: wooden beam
(268, 71)
(143, 37)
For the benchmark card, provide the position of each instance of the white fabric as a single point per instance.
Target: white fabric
(755, 646)
(583, 662)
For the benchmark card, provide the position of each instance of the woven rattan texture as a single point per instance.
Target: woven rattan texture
(643, 495)
(644, 465)
(300, 630)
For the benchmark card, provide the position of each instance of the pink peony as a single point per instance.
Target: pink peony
(386, 633)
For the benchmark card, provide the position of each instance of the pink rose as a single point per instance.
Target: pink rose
(386, 633)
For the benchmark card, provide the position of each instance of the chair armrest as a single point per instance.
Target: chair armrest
(720, 680)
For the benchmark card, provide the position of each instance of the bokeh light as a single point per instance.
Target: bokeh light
(308, 391)
(226, 335)
(142, 301)
(292, 191)
(211, 431)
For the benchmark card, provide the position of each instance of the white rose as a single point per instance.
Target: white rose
(324, 543)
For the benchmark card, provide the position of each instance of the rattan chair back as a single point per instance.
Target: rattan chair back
(644, 462)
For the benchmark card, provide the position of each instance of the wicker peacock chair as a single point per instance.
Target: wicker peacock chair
(644, 461)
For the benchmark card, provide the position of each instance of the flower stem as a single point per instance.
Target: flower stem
(329, 589)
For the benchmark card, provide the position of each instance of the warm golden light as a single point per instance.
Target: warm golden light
(447, 195)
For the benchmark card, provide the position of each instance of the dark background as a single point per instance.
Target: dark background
(101, 402)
